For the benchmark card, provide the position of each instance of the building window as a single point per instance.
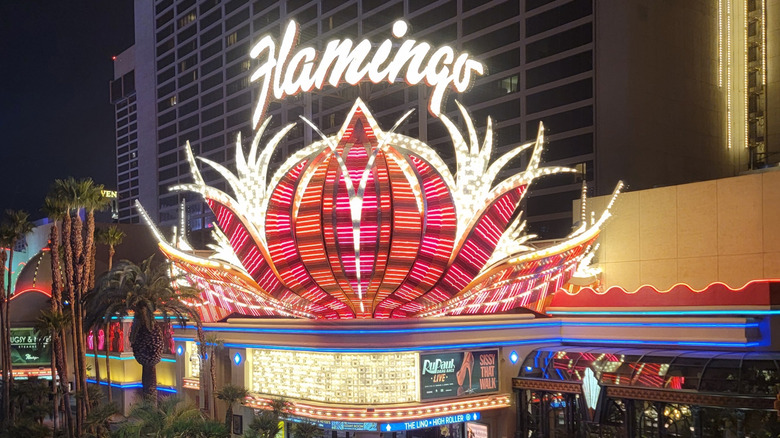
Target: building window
(232, 39)
(187, 19)
(509, 84)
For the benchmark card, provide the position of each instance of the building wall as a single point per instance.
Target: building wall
(124, 99)
(660, 114)
(145, 77)
(724, 230)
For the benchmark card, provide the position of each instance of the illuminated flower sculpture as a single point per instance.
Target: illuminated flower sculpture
(369, 223)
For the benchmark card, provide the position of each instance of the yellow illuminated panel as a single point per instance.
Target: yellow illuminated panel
(353, 378)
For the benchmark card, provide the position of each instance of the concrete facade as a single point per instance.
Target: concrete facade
(724, 230)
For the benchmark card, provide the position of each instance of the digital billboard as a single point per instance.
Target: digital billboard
(458, 374)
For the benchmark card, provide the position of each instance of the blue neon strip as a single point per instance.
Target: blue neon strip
(678, 343)
(491, 344)
(103, 356)
(731, 312)
(378, 331)
(393, 349)
(498, 326)
(661, 324)
(133, 386)
(118, 385)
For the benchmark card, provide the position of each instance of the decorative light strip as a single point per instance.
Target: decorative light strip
(540, 340)
(763, 42)
(387, 414)
(720, 43)
(190, 383)
(746, 74)
(379, 331)
(661, 342)
(32, 372)
(387, 349)
(729, 69)
(18, 294)
(730, 312)
(111, 357)
(658, 325)
(530, 325)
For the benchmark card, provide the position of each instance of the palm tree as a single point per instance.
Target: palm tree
(265, 424)
(51, 324)
(15, 226)
(90, 198)
(56, 208)
(306, 430)
(97, 422)
(111, 236)
(173, 417)
(64, 194)
(231, 394)
(148, 291)
(75, 196)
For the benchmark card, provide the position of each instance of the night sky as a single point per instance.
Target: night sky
(55, 117)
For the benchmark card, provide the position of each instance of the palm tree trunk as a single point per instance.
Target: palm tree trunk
(111, 253)
(54, 397)
(201, 363)
(213, 383)
(83, 362)
(7, 338)
(229, 416)
(67, 231)
(62, 367)
(4, 403)
(95, 338)
(59, 357)
(149, 382)
(55, 304)
(108, 364)
(75, 245)
(79, 256)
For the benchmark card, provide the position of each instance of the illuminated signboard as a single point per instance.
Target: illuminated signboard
(352, 425)
(337, 424)
(285, 73)
(459, 374)
(476, 430)
(367, 222)
(25, 350)
(429, 422)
